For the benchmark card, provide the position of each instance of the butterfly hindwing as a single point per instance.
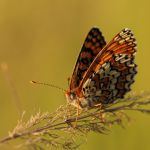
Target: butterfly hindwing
(93, 44)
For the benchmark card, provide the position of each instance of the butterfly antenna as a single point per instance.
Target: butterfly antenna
(47, 84)
(68, 79)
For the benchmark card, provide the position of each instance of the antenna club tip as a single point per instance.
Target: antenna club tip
(32, 82)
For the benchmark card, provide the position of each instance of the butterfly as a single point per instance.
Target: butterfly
(103, 72)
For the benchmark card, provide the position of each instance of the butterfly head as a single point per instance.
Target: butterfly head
(71, 96)
(76, 98)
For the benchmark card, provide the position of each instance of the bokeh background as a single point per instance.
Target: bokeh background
(41, 39)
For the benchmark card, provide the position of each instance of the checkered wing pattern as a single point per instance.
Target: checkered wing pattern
(93, 44)
(112, 72)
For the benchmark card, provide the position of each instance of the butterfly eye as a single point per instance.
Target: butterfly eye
(72, 96)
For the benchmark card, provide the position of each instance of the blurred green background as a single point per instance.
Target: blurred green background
(41, 39)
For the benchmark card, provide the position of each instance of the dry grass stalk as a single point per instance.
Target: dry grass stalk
(62, 128)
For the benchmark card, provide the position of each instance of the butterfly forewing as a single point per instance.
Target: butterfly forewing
(93, 44)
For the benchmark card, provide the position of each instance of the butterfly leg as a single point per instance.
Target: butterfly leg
(101, 115)
(68, 80)
(78, 112)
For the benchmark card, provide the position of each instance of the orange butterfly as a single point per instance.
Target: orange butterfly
(103, 72)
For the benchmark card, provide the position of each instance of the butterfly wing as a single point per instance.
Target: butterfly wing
(93, 44)
(112, 71)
